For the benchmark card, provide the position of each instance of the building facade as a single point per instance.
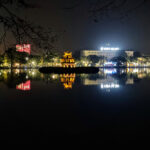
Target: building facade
(109, 54)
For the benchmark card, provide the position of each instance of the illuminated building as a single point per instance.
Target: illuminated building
(129, 53)
(130, 81)
(67, 60)
(24, 86)
(24, 48)
(107, 52)
(67, 80)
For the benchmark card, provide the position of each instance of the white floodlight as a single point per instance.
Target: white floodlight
(109, 48)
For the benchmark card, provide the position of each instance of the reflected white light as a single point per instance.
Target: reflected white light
(135, 70)
(110, 71)
(110, 86)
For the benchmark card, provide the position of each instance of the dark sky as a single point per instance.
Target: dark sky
(83, 33)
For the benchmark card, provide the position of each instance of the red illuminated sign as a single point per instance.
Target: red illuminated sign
(24, 48)
(19, 48)
(24, 86)
(27, 48)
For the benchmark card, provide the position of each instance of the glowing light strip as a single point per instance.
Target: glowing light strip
(109, 48)
(110, 86)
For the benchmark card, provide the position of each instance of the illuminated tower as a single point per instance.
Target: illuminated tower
(67, 60)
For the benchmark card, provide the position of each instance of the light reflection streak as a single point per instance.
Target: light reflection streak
(110, 86)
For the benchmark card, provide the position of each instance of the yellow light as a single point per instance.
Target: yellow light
(17, 64)
(17, 71)
(54, 76)
(27, 58)
(33, 62)
(33, 73)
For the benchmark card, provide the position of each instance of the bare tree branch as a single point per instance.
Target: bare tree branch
(102, 8)
(22, 30)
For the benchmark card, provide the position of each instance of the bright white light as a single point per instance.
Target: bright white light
(110, 64)
(33, 73)
(109, 48)
(110, 86)
(110, 71)
(135, 70)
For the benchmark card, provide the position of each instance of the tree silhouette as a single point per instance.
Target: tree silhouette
(94, 58)
(15, 56)
(100, 9)
(22, 29)
(1, 60)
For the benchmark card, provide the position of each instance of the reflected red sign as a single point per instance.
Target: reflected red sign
(24, 48)
(24, 86)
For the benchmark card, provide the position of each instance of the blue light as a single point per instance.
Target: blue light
(110, 71)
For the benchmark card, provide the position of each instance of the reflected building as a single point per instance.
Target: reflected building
(130, 81)
(113, 78)
(109, 86)
(110, 71)
(104, 76)
(91, 82)
(105, 79)
(67, 80)
(107, 83)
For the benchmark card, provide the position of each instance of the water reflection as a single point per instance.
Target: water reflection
(67, 80)
(24, 86)
(106, 79)
(109, 79)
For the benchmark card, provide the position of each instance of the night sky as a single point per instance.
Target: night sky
(81, 32)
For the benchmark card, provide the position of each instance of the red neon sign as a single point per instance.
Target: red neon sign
(19, 48)
(24, 48)
(24, 86)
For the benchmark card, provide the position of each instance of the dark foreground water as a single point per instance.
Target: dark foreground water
(110, 107)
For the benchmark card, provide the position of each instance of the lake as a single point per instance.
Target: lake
(112, 106)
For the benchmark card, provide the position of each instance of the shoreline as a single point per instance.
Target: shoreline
(142, 67)
(78, 70)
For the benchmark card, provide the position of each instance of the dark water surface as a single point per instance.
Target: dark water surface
(110, 107)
